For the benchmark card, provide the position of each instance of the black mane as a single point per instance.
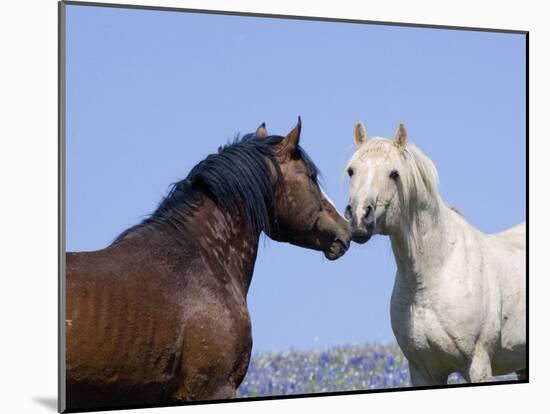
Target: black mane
(236, 178)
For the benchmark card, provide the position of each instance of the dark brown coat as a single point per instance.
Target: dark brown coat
(160, 316)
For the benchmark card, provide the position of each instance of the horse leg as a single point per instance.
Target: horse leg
(203, 391)
(480, 369)
(214, 361)
(204, 379)
(212, 387)
(418, 377)
(422, 377)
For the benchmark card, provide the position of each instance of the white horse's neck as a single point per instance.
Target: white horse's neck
(422, 242)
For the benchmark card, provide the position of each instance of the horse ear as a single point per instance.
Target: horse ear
(400, 139)
(261, 132)
(360, 134)
(293, 137)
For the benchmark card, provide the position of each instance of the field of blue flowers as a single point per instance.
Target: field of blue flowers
(345, 368)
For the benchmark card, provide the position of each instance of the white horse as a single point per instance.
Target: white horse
(458, 302)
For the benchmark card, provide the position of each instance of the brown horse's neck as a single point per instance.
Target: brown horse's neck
(225, 239)
(221, 240)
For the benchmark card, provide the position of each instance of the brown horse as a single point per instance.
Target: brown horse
(160, 316)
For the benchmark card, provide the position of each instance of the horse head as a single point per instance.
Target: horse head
(305, 216)
(387, 176)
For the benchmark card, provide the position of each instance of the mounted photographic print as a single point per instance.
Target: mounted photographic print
(260, 206)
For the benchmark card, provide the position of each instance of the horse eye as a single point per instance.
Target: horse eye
(394, 174)
(350, 171)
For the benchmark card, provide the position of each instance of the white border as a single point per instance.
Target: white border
(28, 170)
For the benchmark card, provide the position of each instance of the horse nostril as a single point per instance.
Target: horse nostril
(367, 213)
(347, 212)
(368, 217)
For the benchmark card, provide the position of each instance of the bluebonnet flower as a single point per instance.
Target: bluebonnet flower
(344, 368)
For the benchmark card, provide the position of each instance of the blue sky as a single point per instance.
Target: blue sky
(151, 93)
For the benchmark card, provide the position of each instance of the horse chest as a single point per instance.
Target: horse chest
(420, 332)
(410, 326)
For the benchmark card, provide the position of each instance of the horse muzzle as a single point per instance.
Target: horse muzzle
(337, 248)
(361, 236)
(363, 229)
